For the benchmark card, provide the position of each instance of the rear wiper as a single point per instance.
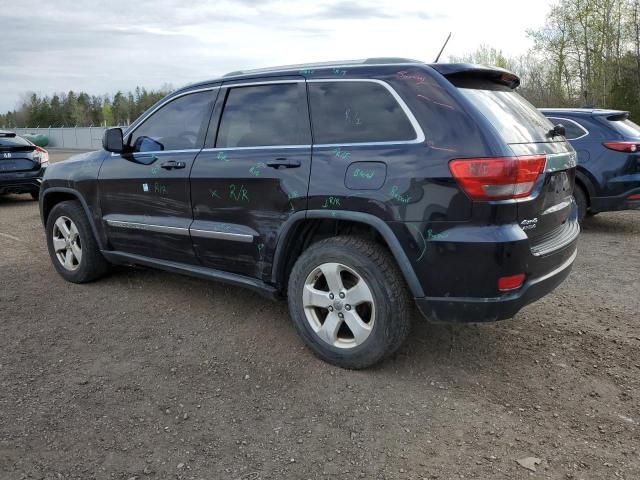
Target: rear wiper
(556, 131)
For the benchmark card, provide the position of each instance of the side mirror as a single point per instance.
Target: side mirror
(557, 130)
(112, 140)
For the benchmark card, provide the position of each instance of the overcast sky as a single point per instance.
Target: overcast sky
(102, 46)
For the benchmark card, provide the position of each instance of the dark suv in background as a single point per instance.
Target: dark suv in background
(22, 165)
(353, 188)
(608, 148)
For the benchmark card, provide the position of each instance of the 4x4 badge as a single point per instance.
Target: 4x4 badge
(529, 224)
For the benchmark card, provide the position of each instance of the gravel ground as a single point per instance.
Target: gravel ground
(150, 375)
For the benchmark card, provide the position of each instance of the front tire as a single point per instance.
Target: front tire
(35, 195)
(349, 301)
(72, 247)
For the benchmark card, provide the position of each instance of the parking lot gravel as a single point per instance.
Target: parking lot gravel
(147, 374)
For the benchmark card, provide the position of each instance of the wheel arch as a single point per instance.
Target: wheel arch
(298, 224)
(584, 182)
(55, 195)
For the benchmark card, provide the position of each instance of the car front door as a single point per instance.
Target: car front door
(145, 192)
(253, 175)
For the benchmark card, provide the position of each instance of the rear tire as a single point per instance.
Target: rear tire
(35, 195)
(581, 200)
(72, 247)
(365, 312)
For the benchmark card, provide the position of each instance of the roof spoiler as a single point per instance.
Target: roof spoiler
(7, 134)
(616, 117)
(469, 70)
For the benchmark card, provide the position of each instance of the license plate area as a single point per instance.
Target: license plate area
(8, 166)
(16, 165)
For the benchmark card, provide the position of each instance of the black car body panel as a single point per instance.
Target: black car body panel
(221, 208)
(607, 176)
(21, 168)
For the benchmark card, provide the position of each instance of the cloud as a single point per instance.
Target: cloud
(351, 10)
(101, 47)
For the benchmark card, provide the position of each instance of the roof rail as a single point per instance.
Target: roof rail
(305, 66)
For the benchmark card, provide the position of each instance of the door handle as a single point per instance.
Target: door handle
(172, 164)
(283, 163)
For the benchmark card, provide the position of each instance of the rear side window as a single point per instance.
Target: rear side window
(178, 125)
(356, 112)
(11, 141)
(515, 119)
(264, 115)
(572, 129)
(626, 127)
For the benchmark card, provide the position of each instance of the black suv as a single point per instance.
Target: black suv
(22, 165)
(354, 188)
(608, 147)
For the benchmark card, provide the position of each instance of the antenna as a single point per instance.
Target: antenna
(442, 49)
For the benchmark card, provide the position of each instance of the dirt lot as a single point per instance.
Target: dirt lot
(152, 375)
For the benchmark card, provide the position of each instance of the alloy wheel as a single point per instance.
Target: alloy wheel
(338, 305)
(67, 244)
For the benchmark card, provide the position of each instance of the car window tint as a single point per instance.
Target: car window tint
(572, 129)
(178, 125)
(514, 118)
(626, 127)
(356, 112)
(264, 115)
(13, 141)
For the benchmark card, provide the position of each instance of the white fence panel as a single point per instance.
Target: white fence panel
(85, 138)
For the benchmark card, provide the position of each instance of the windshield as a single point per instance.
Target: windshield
(515, 119)
(626, 127)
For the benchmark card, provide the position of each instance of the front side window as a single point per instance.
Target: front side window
(356, 112)
(264, 115)
(178, 125)
(571, 128)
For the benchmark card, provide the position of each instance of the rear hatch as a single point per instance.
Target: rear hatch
(544, 212)
(16, 154)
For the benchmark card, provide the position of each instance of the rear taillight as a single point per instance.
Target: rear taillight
(41, 156)
(628, 147)
(497, 178)
(634, 197)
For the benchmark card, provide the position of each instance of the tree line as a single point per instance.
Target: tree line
(587, 54)
(81, 109)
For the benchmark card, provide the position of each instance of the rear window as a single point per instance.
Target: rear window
(356, 112)
(626, 128)
(515, 119)
(16, 141)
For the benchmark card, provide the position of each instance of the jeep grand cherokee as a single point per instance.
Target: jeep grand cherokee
(355, 189)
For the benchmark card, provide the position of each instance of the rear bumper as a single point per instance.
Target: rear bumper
(615, 203)
(21, 182)
(468, 309)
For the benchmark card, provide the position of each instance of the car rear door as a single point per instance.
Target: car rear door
(145, 194)
(253, 175)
